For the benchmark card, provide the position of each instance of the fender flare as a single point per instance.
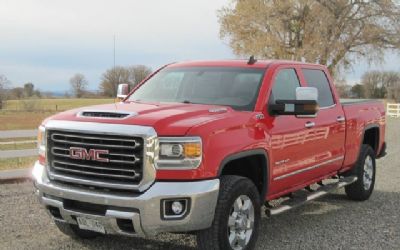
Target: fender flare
(370, 126)
(247, 153)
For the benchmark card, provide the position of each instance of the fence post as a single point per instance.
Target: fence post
(393, 109)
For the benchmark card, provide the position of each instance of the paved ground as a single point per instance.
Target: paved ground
(333, 222)
(8, 175)
(17, 133)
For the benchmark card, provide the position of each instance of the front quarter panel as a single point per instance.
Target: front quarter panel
(234, 133)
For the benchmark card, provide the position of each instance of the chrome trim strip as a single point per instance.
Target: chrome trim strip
(308, 168)
(68, 178)
(135, 160)
(96, 167)
(95, 174)
(93, 144)
(328, 107)
(150, 149)
(113, 154)
(92, 138)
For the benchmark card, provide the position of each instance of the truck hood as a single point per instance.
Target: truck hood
(168, 119)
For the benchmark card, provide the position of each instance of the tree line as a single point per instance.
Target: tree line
(110, 79)
(79, 84)
(374, 84)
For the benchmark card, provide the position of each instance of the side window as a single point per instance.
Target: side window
(317, 78)
(285, 84)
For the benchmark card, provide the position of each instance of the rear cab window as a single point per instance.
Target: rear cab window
(316, 78)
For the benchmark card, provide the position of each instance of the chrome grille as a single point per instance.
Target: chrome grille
(122, 170)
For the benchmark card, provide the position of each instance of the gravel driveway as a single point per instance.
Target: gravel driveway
(333, 222)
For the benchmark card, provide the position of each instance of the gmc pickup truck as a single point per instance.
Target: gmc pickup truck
(203, 147)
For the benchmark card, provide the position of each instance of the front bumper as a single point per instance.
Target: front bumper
(144, 210)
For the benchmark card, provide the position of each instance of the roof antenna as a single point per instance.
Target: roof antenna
(251, 60)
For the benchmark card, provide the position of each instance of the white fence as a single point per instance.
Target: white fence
(393, 110)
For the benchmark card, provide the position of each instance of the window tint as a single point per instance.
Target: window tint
(285, 84)
(317, 79)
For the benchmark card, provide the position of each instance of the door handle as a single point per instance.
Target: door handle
(309, 124)
(340, 119)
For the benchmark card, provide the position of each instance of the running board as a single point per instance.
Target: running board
(297, 201)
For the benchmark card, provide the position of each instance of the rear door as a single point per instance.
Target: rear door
(328, 130)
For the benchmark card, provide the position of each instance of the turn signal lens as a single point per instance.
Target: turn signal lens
(192, 150)
(41, 141)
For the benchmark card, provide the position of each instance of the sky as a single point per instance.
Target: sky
(46, 42)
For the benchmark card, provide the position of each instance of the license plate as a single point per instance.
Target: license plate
(90, 224)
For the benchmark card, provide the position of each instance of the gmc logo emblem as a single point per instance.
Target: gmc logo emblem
(84, 154)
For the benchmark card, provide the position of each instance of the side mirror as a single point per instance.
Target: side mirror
(122, 91)
(305, 105)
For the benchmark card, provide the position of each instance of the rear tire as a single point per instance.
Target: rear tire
(237, 217)
(74, 231)
(365, 170)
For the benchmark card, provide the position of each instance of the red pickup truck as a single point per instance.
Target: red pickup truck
(202, 147)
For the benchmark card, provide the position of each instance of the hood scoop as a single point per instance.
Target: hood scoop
(105, 114)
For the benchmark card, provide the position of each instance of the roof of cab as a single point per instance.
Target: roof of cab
(235, 63)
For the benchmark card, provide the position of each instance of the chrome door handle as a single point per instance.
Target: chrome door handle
(309, 124)
(340, 119)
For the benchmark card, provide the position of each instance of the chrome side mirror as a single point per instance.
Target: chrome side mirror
(122, 91)
(305, 105)
(307, 93)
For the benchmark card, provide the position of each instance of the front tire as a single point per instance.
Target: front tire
(365, 170)
(237, 217)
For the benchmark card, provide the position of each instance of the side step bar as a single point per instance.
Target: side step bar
(297, 201)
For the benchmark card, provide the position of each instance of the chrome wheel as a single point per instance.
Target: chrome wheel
(368, 172)
(241, 222)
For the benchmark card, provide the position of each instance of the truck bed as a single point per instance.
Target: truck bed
(361, 114)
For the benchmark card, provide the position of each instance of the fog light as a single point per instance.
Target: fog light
(177, 207)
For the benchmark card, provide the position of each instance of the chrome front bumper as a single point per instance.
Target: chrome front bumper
(144, 210)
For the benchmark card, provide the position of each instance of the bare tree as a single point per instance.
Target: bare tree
(322, 31)
(131, 75)
(78, 84)
(29, 89)
(372, 82)
(381, 84)
(358, 91)
(343, 88)
(111, 78)
(4, 83)
(138, 73)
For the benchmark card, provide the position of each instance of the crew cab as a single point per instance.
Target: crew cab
(202, 147)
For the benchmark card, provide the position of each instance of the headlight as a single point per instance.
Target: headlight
(41, 141)
(179, 153)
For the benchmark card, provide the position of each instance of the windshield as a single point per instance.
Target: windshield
(234, 87)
